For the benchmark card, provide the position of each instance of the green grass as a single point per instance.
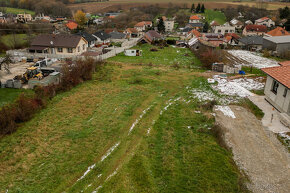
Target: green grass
(253, 70)
(167, 56)
(253, 108)
(218, 16)
(18, 11)
(9, 95)
(54, 149)
(8, 40)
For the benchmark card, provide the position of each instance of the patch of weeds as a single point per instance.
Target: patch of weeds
(258, 92)
(252, 107)
(284, 139)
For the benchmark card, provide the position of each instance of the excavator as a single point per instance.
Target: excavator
(31, 73)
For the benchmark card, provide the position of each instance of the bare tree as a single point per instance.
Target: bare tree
(5, 63)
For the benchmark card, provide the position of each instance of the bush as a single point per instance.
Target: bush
(208, 56)
(153, 49)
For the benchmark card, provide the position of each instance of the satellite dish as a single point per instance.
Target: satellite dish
(51, 42)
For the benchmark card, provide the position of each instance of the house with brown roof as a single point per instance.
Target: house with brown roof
(279, 31)
(252, 30)
(131, 33)
(265, 21)
(194, 19)
(279, 45)
(141, 26)
(151, 36)
(277, 88)
(60, 44)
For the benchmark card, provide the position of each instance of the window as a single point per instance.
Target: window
(219, 30)
(285, 92)
(132, 52)
(84, 46)
(227, 31)
(70, 50)
(59, 49)
(79, 49)
(275, 86)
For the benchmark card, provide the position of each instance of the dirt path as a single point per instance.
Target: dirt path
(256, 151)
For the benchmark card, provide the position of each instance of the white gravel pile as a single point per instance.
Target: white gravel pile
(253, 58)
(226, 110)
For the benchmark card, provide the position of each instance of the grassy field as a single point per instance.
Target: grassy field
(136, 129)
(18, 11)
(218, 16)
(8, 40)
(9, 95)
(167, 56)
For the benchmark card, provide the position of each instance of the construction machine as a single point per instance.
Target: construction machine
(31, 73)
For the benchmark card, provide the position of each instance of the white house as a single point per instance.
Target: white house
(236, 23)
(194, 19)
(132, 52)
(223, 29)
(277, 88)
(265, 21)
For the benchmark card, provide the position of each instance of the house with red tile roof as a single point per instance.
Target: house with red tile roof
(193, 33)
(277, 88)
(131, 33)
(71, 25)
(194, 19)
(151, 36)
(279, 31)
(265, 21)
(252, 30)
(141, 26)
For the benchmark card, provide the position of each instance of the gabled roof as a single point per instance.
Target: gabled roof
(279, 31)
(194, 17)
(102, 35)
(256, 28)
(234, 35)
(252, 40)
(236, 22)
(285, 63)
(195, 24)
(131, 30)
(279, 73)
(151, 35)
(72, 25)
(195, 33)
(262, 19)
(143, 23)
(117, 35)
(279, 39)
(58, 40)
(87, 36)
(214, 23)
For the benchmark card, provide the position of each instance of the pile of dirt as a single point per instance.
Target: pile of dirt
(256, 150)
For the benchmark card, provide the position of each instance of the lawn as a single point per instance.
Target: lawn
(9, 95)
(133, 130)
(11, 39)
(167, 56)
(18, 11)
(218, 16)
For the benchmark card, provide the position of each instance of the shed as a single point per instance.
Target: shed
(133, 52)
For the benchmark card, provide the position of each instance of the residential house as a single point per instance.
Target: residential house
(131, 33)
(141, 26)
(232, 39)
(193, 34)
(71, 25)
(102, 37)
(185, 31)
(225, 28)
(59, 44)
(253, 30)
(251, 43)
(237, 23)
(279, 31)
(151, 36)
(89, 38)
(214, 23)
(278, 44)
(265, 21)
(2, 18)
(277, 88)
(215, 39)
(193, 43)
(248, 22)
(23, 18)
(98, 20)
(194, 19)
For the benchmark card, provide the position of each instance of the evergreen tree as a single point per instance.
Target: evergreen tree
(161, 26)
(284, 13)
(202, 8)
(192, 8)
(197, 9)
(205, 27)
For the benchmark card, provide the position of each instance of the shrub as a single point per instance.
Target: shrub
(153, 49)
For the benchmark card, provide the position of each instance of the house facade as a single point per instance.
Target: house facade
(277, 88)
(252, 30)
(223, 29)
(194, 19)
(141, 26)
(265, 21)
(59, 44)
(24, 17)
(169, 25)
